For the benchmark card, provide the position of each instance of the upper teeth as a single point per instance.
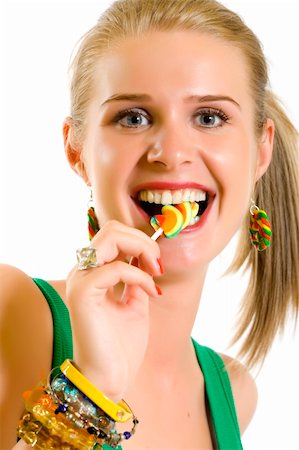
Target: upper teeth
(172, 197)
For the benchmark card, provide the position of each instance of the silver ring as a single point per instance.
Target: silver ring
(87, 258)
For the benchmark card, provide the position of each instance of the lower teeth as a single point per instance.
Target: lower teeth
(194, 220)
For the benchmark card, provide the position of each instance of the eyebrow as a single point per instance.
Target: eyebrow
(212, 98)
(191, 98)
(122, 97)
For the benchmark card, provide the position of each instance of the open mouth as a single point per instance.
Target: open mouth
(152, 201)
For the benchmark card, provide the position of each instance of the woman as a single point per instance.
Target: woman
(143, 122)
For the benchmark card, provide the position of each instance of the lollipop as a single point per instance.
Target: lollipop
(174, 218)
(170, 222)
(194, 209)
(189, 210)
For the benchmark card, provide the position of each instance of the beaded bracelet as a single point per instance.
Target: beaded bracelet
(76, 406)
(119, 412)
(97, 422)
(44, 413)
(34, 434)
(59, 415)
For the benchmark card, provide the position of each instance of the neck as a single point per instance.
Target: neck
(172, 318)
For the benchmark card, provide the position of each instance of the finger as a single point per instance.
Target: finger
(134, 297)
(109, 275)
(117, 239)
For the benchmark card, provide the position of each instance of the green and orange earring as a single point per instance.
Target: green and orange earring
(260, 229)
(93, 224)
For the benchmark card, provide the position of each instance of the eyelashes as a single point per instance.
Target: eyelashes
(211, 117)
(135, 114)
(205, 117)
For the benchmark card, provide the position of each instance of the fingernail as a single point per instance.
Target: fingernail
(160, 265)
(158, 289)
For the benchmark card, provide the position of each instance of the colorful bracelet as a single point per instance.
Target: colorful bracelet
(34, 434)
(43, 410)
(76, 405)
(62, 416)
(88, 415)
(119, 412)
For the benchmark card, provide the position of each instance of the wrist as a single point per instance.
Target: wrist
(120, 412)
(69, 409)
(106, 386)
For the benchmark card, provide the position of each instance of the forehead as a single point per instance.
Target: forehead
(170, 64)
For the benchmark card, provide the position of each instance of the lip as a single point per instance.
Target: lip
(166, 185)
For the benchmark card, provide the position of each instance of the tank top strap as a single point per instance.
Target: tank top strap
(62, 331)
(220, 398)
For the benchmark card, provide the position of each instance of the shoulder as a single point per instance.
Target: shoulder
(24, 312)
(20, 295)
(244, 390)
(26, 342)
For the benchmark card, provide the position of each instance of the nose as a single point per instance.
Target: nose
(171, 148)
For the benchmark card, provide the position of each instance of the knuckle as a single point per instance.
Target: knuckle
(109, 228)
(119, 265)
(111, 225)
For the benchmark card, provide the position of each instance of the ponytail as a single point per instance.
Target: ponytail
(273, 288)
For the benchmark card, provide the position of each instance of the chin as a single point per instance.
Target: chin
(191, 253)
(179, 258)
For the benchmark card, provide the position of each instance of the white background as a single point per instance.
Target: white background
(43, 204)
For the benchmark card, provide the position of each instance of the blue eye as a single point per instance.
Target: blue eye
(132, 118)
(211, 118)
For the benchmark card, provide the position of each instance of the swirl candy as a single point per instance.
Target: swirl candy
(170, 222)
(194, 208)
(260, 230)
(186, 211)
(189, 210)
(173, 219)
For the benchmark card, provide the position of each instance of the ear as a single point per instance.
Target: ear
(265, 149)
(73, 150)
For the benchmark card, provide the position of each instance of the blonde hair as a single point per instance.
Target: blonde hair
(274, 282)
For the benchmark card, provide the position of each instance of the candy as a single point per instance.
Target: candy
(170, 222)
(174, 218)
(194, 209)
(186, 209)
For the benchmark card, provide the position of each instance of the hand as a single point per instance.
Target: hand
(109, 307)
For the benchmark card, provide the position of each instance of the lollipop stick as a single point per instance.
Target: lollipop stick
(157, 233)
(154, 237)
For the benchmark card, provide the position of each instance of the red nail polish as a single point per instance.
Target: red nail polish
(158, 289)
(160, 265)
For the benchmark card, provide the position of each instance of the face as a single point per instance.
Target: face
(171, 119)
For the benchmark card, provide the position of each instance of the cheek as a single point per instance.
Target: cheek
(107, 155)
(232, 161)
(111, 161)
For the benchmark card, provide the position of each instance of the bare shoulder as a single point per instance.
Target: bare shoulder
(20, 295)
(244, 390)
(26, 344)
(24, 316)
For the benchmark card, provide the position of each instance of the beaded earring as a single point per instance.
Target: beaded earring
(260, 229)
(93, 224)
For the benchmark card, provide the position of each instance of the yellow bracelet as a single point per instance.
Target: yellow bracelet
(119, 412)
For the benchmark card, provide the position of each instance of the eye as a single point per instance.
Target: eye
(132, 118)
(210, 118)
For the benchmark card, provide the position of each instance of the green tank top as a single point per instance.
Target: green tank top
(217, 385)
